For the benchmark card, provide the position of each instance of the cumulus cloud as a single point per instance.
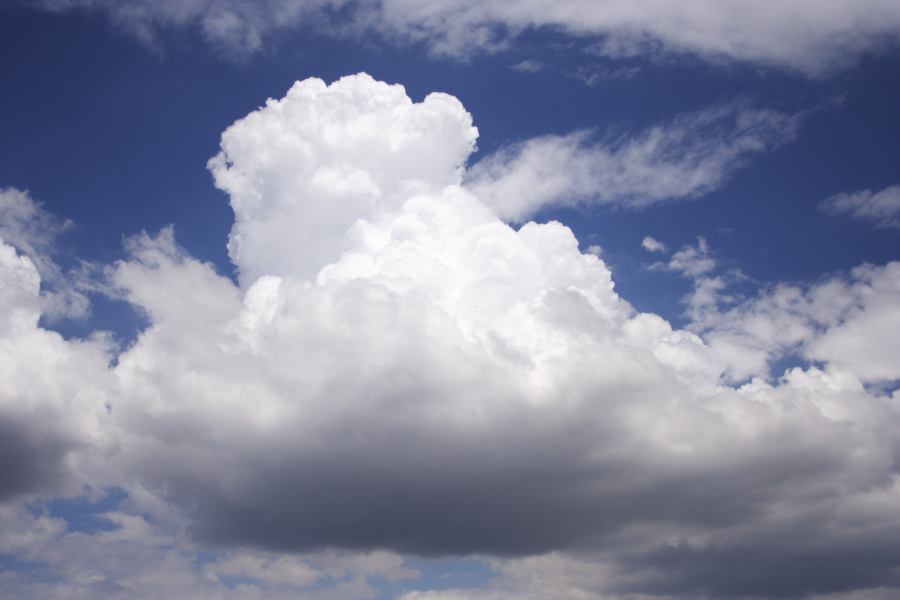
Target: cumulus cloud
(804, 36)
(881, 208)
(401, 371)
(842, 320)
(301, 172)
(432, 380)
(52, 392)
(684, 158)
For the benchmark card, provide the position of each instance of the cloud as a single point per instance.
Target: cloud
(796, 35)
(843, 320)
(52, 393)
(881, 208)
(651, 244)
(691, 155)
(435, 381)
(235, 27)
(811, 38)
(27, 226)
(301, 172)
(693, 261)
(134, 558)
(400, 371)
(529, 65)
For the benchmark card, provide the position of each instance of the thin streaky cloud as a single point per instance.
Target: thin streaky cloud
(686, 157)
(813, 38)
(878, 208)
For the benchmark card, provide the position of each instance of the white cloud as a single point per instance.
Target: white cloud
(236, 27)
(846, 320)
(411, 374)
(881, 208)
(684, 158)
(302, 171)
(52, 391)
(283, 569)
(651, 244)
(529, 65)
(410, 381)
(862, 337)
(812, 37)
(25, 225)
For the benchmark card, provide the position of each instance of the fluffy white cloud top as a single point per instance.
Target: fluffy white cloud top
(301, 172)
(809, 36)
(401, 371)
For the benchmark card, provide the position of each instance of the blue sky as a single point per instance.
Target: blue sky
(339, 348)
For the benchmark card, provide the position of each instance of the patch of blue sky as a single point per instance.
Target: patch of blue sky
(31, 571)
(84, 514)
(439, 574)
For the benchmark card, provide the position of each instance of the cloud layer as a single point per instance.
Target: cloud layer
(800, 35)
(399, 370)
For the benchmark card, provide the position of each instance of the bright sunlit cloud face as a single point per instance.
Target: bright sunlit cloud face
(415, 369)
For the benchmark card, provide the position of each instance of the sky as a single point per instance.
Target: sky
(433, 300)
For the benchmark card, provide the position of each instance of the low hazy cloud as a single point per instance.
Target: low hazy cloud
(401, 372)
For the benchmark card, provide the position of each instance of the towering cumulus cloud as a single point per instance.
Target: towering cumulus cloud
(400, 370)
(302, 171)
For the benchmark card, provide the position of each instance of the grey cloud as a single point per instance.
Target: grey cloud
(784, 561)
(31, 456)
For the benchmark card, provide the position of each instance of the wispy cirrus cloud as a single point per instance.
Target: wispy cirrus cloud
(688, 156)
(808, 37)
(26, 225)
(878, 208)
